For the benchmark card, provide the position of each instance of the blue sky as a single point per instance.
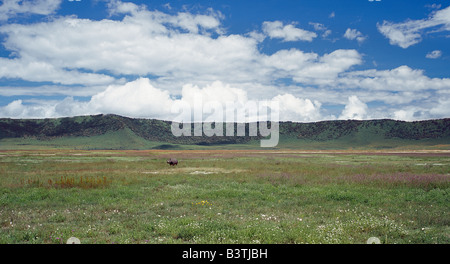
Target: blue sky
(322, 59)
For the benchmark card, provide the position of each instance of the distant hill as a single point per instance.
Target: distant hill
(118, 132)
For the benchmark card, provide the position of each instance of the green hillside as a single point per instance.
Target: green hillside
(117, 132)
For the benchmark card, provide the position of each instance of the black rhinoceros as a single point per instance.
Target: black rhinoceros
(172, 162)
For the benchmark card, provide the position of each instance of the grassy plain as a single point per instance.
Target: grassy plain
(224, 196)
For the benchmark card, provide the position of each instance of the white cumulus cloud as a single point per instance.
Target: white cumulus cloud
(107, 61)
(177, 49)
(11, 8)
(298, 109)
(353, 34)
(139, 98)
(354, 109)
(322, 28)
(410, 32)
(276, 29)
(434, 54)
(402, 78)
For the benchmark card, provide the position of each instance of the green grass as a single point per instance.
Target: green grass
(120, 139)
(123, 139)
(223, 197)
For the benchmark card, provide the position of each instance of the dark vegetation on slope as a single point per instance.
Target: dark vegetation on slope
(345, 131)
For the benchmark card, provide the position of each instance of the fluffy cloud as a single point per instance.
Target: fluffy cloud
(179, 47)
(298, 109)
(405, 115)
(36, 109)
(321, 27)
(441, 108)
(276, 29)
(183, 20)
(11, 8)
(42, 71)
(15, 109)
(434, 54)
(188, 54)
(353, 34)
(403, 35)
(310, 68)
(141, 44)
(325, 70)
(140, 98)
(436, 109)
(402, 78)
(355, 109)
(408, 33)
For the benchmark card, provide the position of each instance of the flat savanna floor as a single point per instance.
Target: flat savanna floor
(225, 196)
